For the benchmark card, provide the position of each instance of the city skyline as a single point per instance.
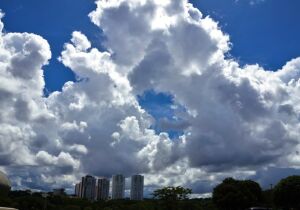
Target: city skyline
(93, 188)
(226, 195)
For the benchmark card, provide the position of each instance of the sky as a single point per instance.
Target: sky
(184, 93)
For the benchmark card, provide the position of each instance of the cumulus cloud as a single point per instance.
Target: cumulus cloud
(28, 133)
(237, 120)
(239, 117)
(21, 89)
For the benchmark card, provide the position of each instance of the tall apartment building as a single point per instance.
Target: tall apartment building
(103, 189)
(88, 187)
(78, 189)
(137, 187)
(118, 186)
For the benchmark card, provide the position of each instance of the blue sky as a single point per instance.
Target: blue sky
(221, 111)
(257, 31)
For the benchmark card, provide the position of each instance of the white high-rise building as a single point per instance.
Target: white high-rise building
(78, 189)
(88, 187)
(137, 187)
(103, 189)
(118, 186)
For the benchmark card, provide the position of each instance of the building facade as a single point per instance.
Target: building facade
(118, 186)
(78, 189)
(103, 189)
(137, 187)
(88, 187)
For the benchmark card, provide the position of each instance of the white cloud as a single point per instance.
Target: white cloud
(80, 41)
(63, 159)
(21, 89)
(236, 114)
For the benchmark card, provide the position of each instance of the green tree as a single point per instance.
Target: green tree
(172, 193)
(287, 193)
(236, 194)
(170, 196)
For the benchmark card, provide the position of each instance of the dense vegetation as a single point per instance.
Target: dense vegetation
(287, 193)
(236, 194)
(231, 194)
(37, 202)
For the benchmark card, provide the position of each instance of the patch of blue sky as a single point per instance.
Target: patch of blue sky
(265, 32)
(162, 108)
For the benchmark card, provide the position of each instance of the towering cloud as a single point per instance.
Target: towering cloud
(239, 118)
(21, 91)
(236, 120)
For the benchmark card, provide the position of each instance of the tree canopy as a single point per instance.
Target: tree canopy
(237, 194)
(172, 193)
(287, 193)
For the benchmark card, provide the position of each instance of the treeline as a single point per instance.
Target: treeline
(231, 194)
(37, 202)
(242, 194)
